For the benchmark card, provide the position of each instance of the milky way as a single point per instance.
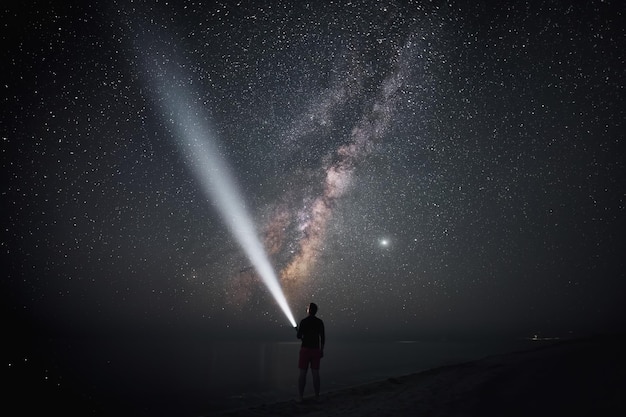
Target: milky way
(315, 216)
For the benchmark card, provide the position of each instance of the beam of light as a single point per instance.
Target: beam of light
(197, 143)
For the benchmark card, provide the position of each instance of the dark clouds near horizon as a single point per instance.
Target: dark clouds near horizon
(487, 193)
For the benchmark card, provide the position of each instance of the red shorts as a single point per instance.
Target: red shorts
(309, 355)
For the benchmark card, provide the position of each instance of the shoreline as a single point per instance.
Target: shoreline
(573, 377)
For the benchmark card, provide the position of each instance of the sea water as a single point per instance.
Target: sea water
(189, 377)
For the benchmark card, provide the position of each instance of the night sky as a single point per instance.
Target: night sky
(412, 167)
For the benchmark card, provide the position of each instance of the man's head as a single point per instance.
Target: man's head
(312, 309)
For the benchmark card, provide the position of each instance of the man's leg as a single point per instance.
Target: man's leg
(316, 381)
(302, 382)
(315, 370)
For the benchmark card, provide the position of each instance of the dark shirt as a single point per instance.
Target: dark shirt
(311, 331)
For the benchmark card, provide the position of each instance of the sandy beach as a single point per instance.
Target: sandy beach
(571, 378)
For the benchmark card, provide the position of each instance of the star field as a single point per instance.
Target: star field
(410, 167)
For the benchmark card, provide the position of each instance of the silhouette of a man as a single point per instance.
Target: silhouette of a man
(311, 331)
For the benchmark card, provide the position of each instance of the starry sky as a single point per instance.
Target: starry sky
(412, 167)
